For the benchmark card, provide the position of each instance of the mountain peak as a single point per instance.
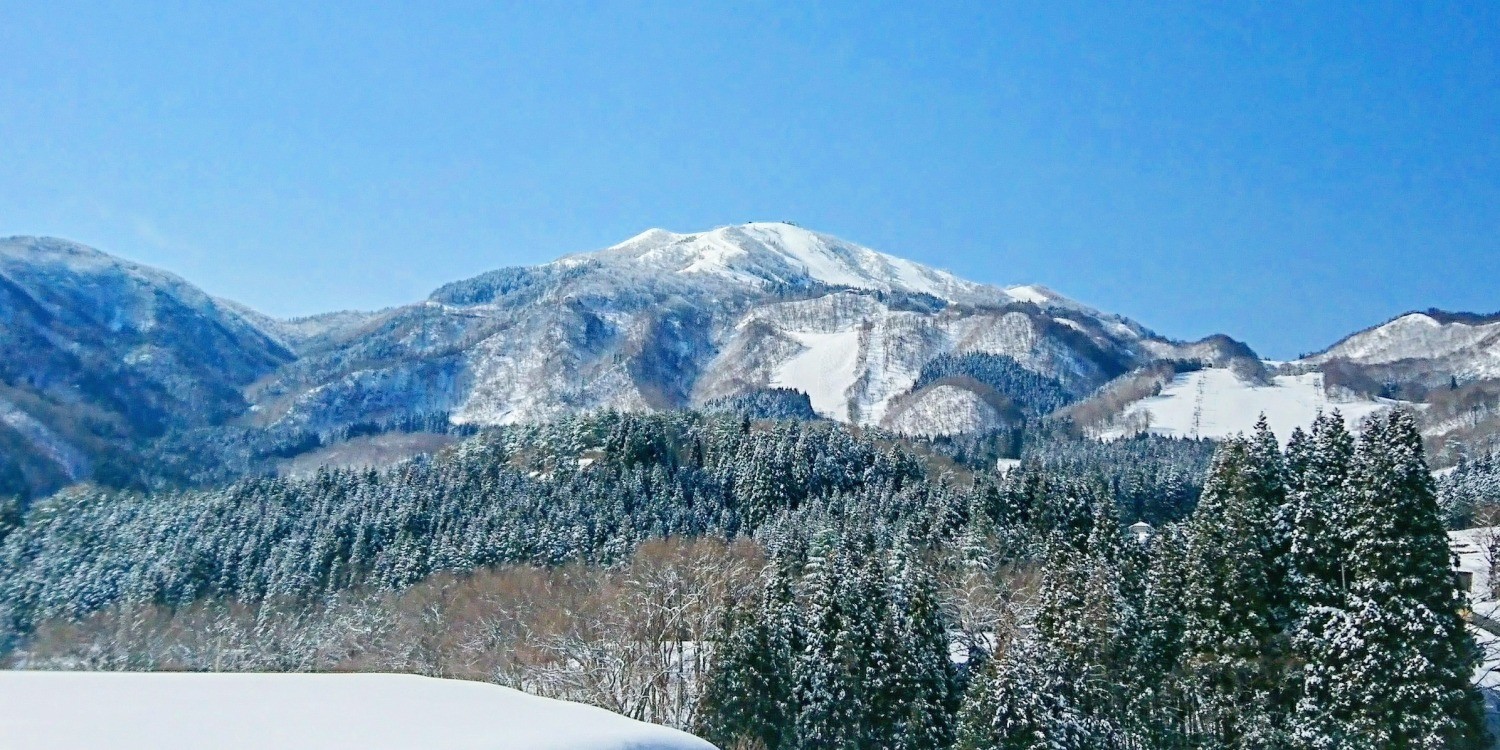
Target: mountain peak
(761, 253)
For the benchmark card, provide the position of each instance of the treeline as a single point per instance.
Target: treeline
(1307, 602)
(794, 585)
(579, 490)
(1470, 493)
(1033, 394)
(587, 489)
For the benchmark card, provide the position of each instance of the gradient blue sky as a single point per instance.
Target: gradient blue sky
(1284, 173)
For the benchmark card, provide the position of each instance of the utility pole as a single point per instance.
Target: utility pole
(1198, 407)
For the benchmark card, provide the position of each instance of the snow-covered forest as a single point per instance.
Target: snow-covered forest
(787, 584)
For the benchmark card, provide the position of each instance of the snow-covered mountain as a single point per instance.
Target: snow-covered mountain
(102, 354)
(105, 355)
(1430, 347)
(668, 320)
(1450, 362)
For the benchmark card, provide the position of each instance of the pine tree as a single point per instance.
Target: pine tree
(1318, 465)
(1159, 697)
(1318, 501)
(749, 697)
(1027, 700)
(831, 669)
(922, 702)
(1392, 666)
(1231, 616)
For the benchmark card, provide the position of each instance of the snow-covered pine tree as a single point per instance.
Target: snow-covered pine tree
(1392, 666)
(1318, 500)
(1318, 465)
(922, 701)
(1230, 622)
(842, 666)
(1268, 501)
(1059, 682)
(749, 698)
(1158, 700)
(1027, 700)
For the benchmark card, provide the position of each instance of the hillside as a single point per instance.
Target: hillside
(668, 320)
(102, 355)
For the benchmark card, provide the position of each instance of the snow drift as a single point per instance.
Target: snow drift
(168, 711)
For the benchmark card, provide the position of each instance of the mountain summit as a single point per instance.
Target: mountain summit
(688, 320)
(784, 254)
(766, 253)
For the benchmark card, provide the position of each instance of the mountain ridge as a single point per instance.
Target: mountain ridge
(662, 320)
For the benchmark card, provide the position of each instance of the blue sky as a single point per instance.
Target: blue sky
(1284, 173)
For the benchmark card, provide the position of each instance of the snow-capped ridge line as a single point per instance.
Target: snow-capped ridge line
(1431, 317)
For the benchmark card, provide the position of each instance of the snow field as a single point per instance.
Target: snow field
(825, 370)
(194, 711)
(1216, 403)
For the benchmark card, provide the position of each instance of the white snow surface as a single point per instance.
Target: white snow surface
(194, 711)
(761, 252)
(1030, 293)
(1231, 405)
(825, 370)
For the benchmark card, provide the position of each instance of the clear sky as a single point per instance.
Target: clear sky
(1285, 173)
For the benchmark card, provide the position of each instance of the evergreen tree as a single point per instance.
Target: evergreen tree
(922, 702)
(1160, 695)
(1231, 617)
(1027, 700)
(1392, 666)
(749, 697)
(1318, 500)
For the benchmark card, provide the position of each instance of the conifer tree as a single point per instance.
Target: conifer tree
(749, 696)
(923, 701)
(1159, 696)
(1027, 700)
(831, 672)
(1230, 622)
(1392, 666)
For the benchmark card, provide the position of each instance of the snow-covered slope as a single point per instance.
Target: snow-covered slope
(1217, 402)
(1429, 335)
(1423, 346)
(183, 711)
(100, 353)
(779, 253)
(670, 320)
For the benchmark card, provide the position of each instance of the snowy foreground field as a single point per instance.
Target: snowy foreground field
(172, 711)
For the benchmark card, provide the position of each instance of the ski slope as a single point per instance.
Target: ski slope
(197, 711)
(1217, 403)
(825, 370)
